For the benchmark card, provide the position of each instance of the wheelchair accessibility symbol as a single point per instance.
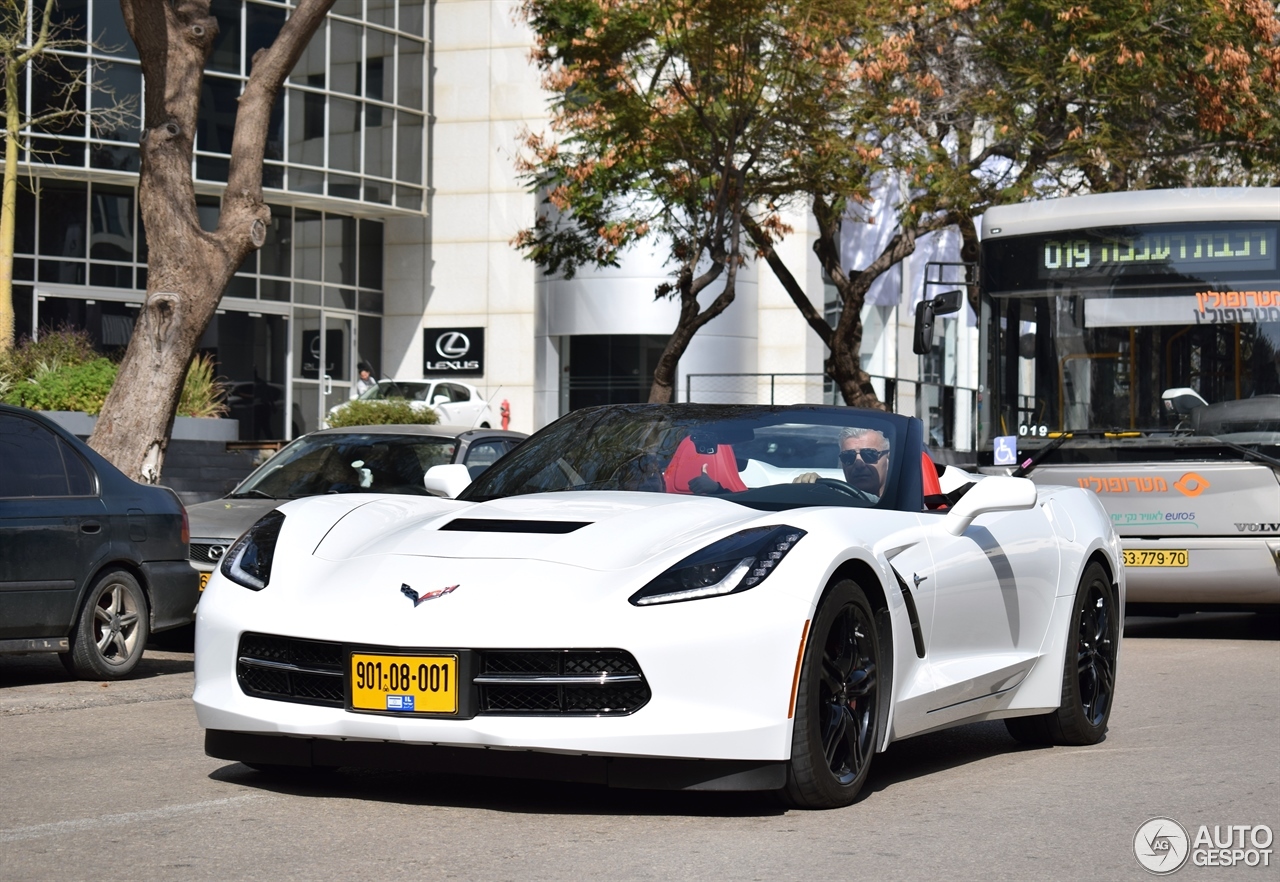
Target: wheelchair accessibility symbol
(1006, 450)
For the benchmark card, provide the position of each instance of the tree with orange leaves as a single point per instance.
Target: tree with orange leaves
(680, 123)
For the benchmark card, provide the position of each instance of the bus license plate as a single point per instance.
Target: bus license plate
(404, 684)
(1145, 557)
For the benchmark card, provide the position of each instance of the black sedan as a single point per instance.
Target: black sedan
(91, 562)
(357, 459)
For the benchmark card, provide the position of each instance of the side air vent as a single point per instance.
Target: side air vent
(496, 525)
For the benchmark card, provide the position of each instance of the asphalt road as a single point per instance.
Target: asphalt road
(110, 781)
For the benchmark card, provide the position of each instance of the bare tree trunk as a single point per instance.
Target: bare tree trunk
(188, 266)
(690, 321)
(9, 205)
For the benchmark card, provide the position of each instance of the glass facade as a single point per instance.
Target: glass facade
(349, 125)
(346, 147)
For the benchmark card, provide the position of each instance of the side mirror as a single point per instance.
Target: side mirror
(994, 493)
(1182, 400)
(447, 480)
(439, 399)
(926, 310)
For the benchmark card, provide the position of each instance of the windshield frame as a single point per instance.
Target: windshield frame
(543, 450)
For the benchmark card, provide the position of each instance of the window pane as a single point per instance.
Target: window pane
(344, 57)
(262, 26)
(308, 241)
(62, 220)
(275, 252)
(219, 99)
(381, 12)
(370, 254)
(411, 17)
(111, 216)
(340, 251)
(33, 465)
(344, 134)
(306, 127)
(114, 84)
(409, 84)
(109, 32)
(311, 64)
(226, 46)
(409, 143)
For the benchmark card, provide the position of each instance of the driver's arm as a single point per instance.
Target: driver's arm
(806, 478)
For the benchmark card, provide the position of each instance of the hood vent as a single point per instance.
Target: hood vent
(495, 525)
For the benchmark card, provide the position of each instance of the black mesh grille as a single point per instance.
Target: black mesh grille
(544, 699)
(320, 681)
(203, 552)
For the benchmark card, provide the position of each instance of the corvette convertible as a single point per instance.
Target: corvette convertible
(666, 596)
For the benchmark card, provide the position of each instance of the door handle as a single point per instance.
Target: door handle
(328, 385)
(90, 526)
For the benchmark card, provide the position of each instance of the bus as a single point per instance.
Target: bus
(1131, 345)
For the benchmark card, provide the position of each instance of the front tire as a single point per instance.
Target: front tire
(111, 629)
(837, 703)
(1089, 671)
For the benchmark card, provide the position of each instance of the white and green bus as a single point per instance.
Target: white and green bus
(1146, 327)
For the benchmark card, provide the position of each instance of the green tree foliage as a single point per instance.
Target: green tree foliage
(678, 123)
(1010, 100)
(393, 412)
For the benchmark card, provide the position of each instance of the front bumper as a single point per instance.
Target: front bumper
(720, 670)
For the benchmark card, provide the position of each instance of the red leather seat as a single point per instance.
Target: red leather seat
(932, 487)
(686, 464)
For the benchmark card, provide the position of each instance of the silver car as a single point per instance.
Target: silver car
(359, 459)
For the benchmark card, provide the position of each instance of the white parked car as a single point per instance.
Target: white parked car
(458, 404)
(666, 596)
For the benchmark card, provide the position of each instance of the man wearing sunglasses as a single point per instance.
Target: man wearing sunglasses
(864, 457)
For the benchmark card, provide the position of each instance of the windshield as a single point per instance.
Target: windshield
(349, 463)
(396, 389)
(1171, 329)
(765, 457)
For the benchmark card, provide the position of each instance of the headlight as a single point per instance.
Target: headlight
(733, 564)
(248, 563)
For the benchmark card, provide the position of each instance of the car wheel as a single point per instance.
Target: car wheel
(1089, 673)
(111, 629)
(836, 713)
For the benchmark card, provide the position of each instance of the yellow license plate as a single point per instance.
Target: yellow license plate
(404, 684)
(1146, 557)
(204, 580)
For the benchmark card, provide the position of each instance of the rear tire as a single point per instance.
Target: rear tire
(837, 704)
(1089, 670)
(111, 630)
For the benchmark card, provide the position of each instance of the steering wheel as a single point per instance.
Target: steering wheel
(841, 486)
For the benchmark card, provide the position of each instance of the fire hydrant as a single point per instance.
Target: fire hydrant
(505, 410)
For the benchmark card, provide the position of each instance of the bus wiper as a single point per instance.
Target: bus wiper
(1025, 467)
(1249, 452)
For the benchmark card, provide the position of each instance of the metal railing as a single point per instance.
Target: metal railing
(949, 413)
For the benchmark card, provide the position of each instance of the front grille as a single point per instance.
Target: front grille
(288, 669)
(209, 552)
(575, 681)
(585, 682)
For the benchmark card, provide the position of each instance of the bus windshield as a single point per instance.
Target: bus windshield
(1160, 327)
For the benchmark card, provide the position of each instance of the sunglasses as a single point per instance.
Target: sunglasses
(869, 455)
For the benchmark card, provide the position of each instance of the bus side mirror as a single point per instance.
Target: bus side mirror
(926, 310)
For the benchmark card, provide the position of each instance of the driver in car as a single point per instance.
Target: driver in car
(864, 457)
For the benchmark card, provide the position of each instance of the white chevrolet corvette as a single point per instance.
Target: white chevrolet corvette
(666, 596)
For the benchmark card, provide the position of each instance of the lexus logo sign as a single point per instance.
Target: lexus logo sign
(454, 352)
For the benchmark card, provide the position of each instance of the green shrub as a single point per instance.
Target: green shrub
(203, 395)
(396, 411)
(57, 386)
(66, 346)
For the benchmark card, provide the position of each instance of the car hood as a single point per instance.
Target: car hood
(593, 530)
(226, 518)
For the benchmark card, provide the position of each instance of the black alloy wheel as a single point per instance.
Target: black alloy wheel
(1089, 670)
(837, 703)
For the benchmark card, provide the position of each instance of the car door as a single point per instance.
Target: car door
(993, 590)
(52, 523)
